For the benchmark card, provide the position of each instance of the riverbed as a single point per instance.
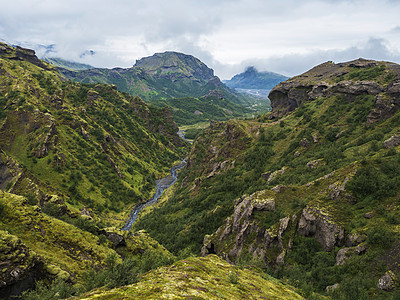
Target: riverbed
(161, 185)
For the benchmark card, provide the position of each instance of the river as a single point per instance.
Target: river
(161, 185)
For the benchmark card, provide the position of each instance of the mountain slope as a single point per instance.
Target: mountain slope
(161, 76)
(252, 79)
(168, 78)
(200, 278)
(62, 63)
(309, 190)
(79, 157)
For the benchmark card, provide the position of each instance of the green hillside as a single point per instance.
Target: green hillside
(306, 195)
(201, 278)
(79, 156)
(310, 191)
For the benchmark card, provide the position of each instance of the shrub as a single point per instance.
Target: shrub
(233, 277)
(380, 236)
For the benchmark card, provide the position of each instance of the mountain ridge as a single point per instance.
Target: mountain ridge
(251, 78)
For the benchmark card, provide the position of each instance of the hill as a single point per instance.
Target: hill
(253, 79)
(74, 159)
(310, 191)
(201, 278)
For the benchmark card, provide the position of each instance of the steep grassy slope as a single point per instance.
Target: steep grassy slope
(89, 143)
(200, 278)
(311, 190)
(75, 159)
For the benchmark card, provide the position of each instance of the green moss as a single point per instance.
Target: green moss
(199, 278)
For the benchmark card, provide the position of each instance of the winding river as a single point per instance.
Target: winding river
(161, 185)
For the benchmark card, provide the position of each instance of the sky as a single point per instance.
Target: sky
(286, 36)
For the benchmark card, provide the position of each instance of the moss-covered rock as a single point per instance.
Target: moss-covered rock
(200, 278)
(19, 266)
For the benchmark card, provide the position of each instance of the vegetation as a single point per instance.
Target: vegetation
(327, 157)
(310, 197)
(200, 278)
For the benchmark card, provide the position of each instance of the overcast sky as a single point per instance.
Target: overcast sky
(285, 36)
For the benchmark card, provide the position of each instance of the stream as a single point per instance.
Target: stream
(161, 185)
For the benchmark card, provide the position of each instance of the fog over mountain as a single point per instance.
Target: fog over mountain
(286, 37)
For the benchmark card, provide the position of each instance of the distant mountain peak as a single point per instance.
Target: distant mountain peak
(167, 63)
(251, 78)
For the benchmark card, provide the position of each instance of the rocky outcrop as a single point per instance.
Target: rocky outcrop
(48, 142)
(269, 176)
(115, 167)
(341, 256)
(19, 53)
(314, 223)
(115, 236)
(20, 267)
(393, 141)
(315, 163)
(330, 79)
(331, 288)
(219, 167)
(246, 236)
(387, 282)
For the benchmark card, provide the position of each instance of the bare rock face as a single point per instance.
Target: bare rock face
(241, 226)
(115, 236)
(387, 282)
(314, 163)
(393, 141)
(219, 167)
(341, 256)
(355, 239)
(315, 224)
(331, 288)
(352, 88)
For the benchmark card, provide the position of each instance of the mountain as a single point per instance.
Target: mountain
(65, 64)
(252, 79)
(179, 81)
(74, 159)
(161, 76)
(309, 191)
(306, 195)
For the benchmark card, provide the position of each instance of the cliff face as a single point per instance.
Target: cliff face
(350, 79)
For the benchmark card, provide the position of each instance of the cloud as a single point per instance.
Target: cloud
(294, 64)
(286, 36)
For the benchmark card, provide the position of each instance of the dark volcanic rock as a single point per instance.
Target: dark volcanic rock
(330, 79)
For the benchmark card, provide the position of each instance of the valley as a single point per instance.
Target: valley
(297, 198)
